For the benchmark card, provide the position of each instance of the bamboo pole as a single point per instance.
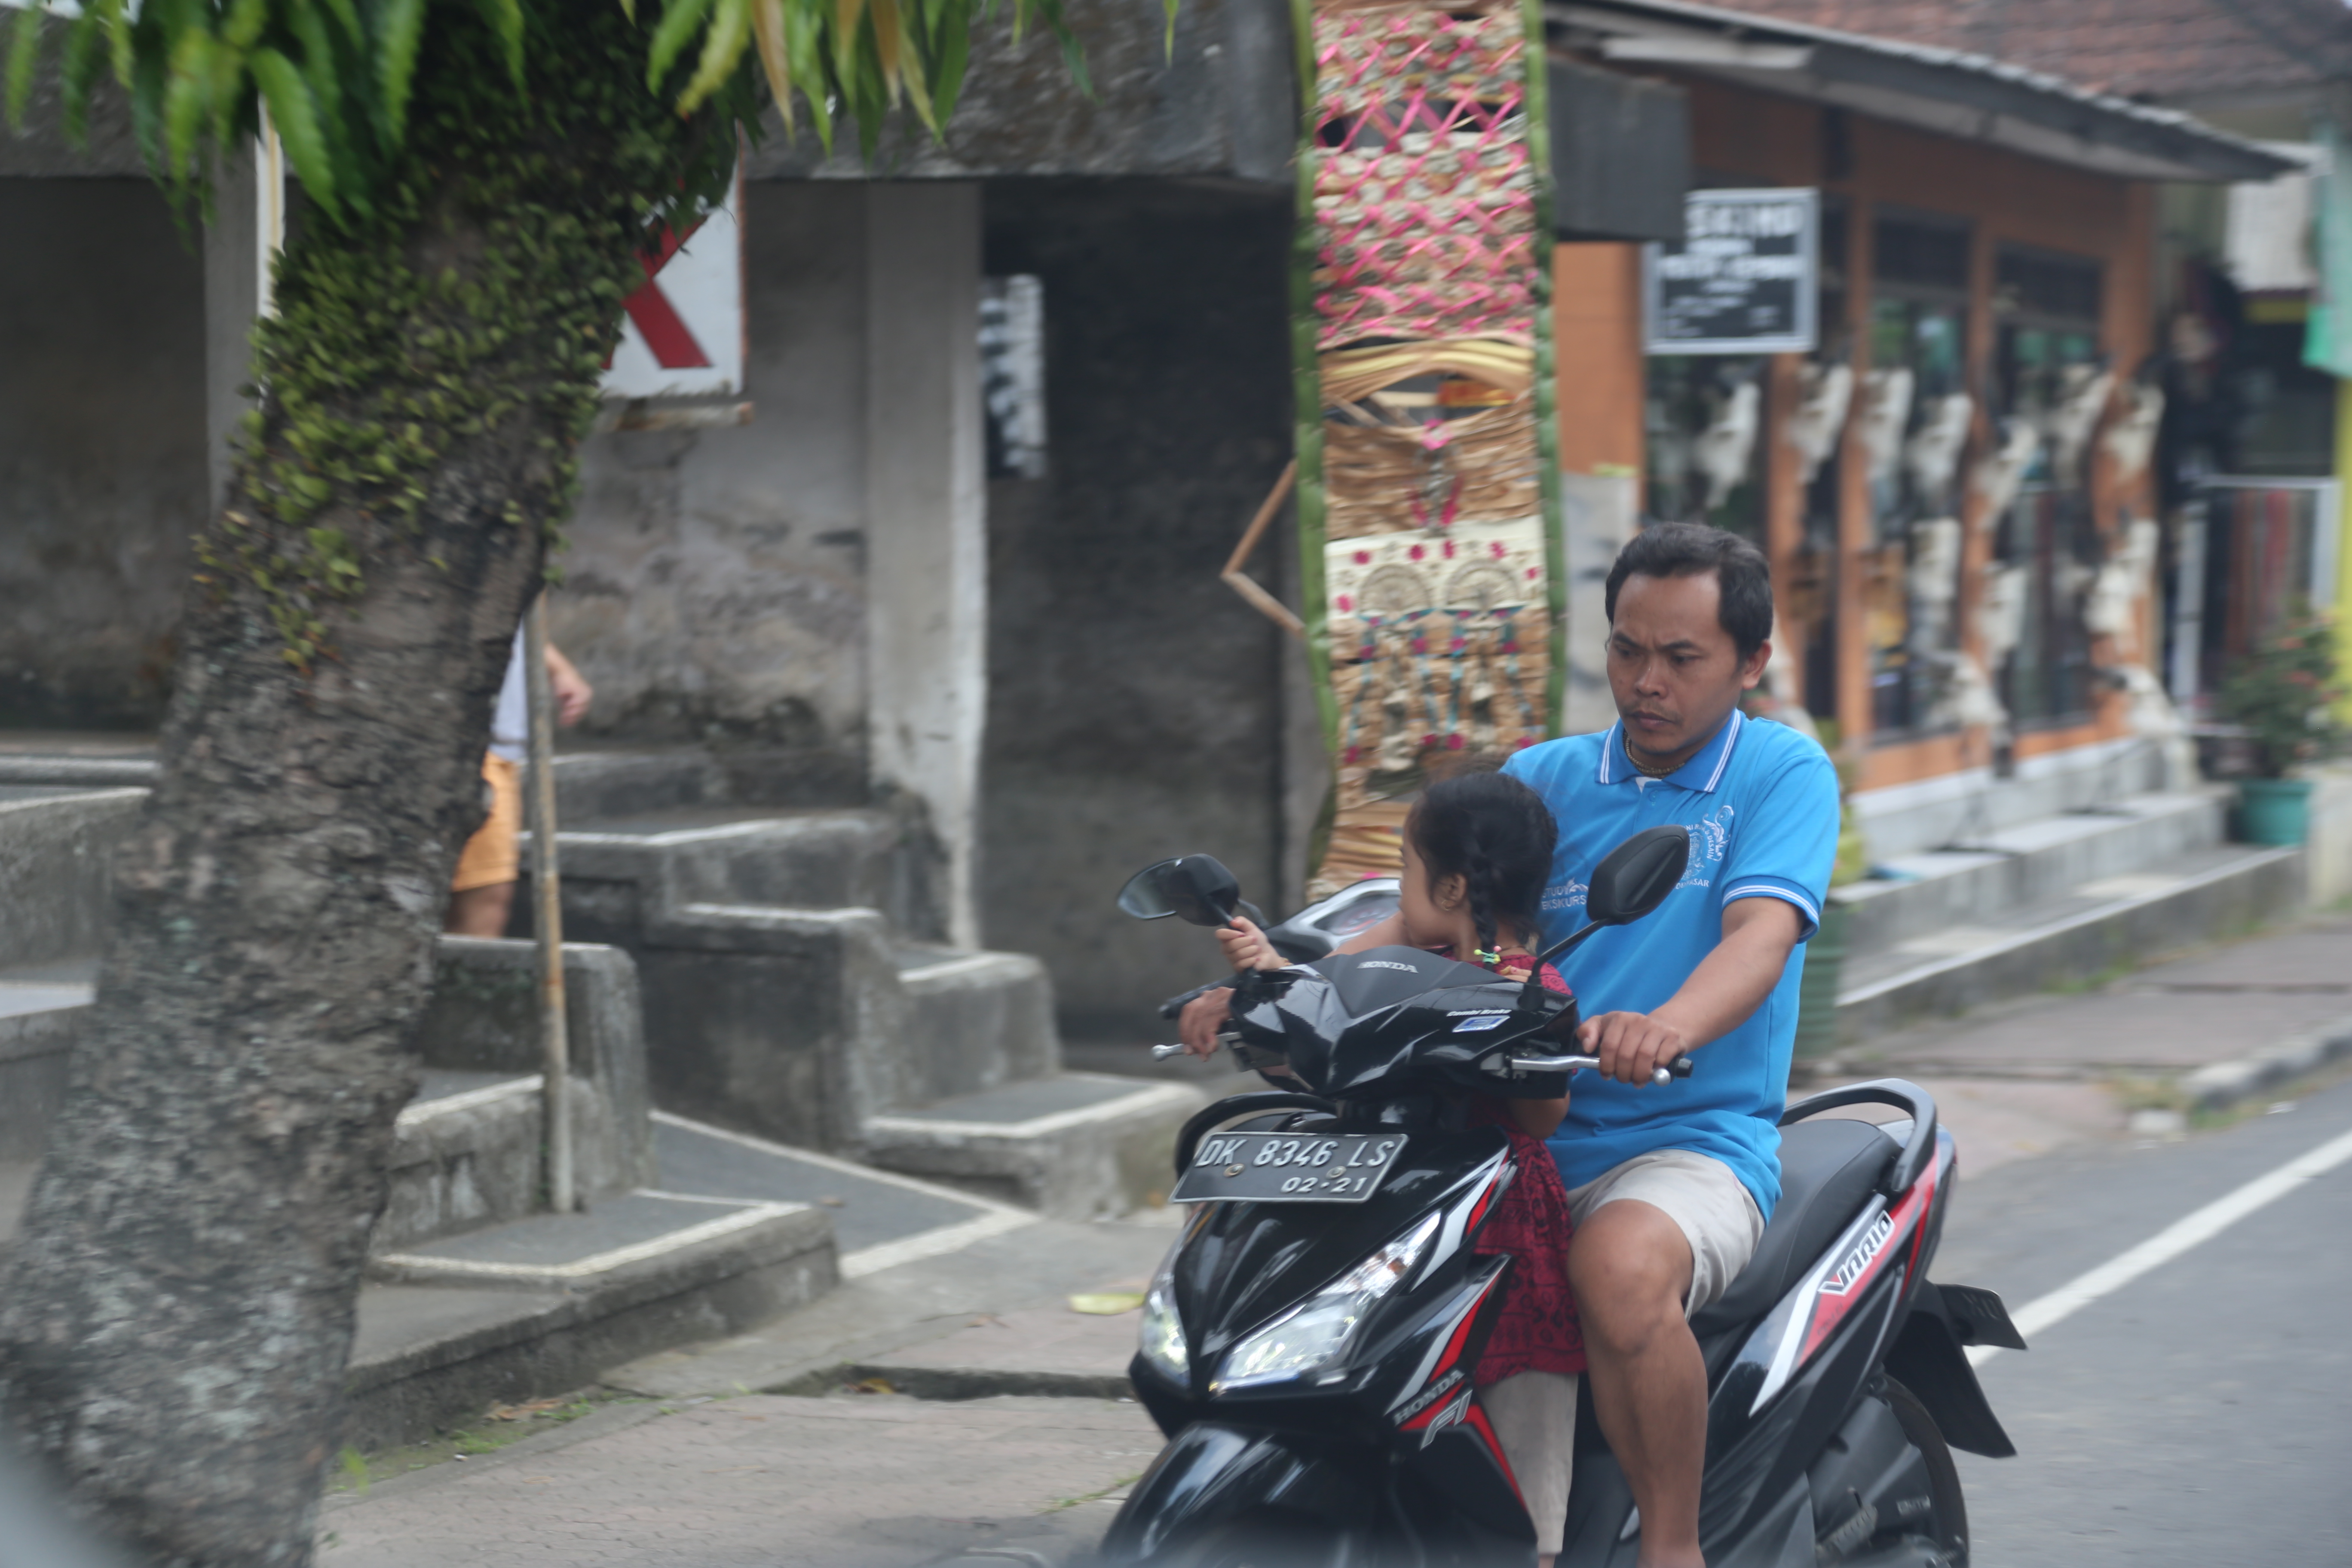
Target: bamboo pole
(548, 921)
(1241, 583)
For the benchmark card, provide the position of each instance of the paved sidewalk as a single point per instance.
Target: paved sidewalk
(2041, 1073)
(765, 1482)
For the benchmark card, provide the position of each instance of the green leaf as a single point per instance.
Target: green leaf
(679, 20)
(116, 17)
(147, 89)
(952, 56)
(321, 70)
(245, 20)
(24, 53)
(186, 95)
(401, 24)
(505, 18)
(347, 18)
(78, 71)
(804, 48)
(296, 118)
(722, 50)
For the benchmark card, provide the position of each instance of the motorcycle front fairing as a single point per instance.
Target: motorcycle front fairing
(1403, 1382)
(1368, 1023)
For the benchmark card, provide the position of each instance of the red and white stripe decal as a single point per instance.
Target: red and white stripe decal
(1868, 1259)
(1453, 1343)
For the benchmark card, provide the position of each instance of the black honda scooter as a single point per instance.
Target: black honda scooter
(1308, 1345)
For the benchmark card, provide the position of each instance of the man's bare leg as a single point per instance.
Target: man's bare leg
(1631, 1266)
(480, 911)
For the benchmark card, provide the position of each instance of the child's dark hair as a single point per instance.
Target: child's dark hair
(1497, 834)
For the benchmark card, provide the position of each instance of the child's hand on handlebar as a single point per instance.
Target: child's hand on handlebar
(1246, 946)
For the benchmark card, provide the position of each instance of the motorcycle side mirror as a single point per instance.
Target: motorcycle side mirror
(1631, 881)
(1635, 878)
(1195, 888)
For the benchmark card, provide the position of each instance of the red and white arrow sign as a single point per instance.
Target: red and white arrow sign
(684, 332)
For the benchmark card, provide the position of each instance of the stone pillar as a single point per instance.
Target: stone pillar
(247, 227)
(927, 543)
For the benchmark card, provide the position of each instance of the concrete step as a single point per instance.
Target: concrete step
(78, 759)
(2090, 929)
(2002, 870)
(975, 1021)
(741, 1232)
(812, 860)
(42, 1006)
(56, 858)
(1070, 1145)
(880, 1218)
(542, 1304)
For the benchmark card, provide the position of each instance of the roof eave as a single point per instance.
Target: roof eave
(1957, 95)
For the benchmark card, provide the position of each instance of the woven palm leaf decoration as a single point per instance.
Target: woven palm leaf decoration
(1428, 496)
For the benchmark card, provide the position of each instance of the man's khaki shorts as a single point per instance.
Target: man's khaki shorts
(492, 854)
(1717, 1214)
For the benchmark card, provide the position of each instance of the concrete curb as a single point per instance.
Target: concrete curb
(2220, 1084)
(953, 1383)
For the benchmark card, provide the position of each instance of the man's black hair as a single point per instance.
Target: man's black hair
(1687, 548)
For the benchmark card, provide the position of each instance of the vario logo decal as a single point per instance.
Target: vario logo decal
(1857, 1263)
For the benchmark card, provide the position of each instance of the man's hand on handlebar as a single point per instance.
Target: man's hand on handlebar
(1203, 1016)
(1631, 1045)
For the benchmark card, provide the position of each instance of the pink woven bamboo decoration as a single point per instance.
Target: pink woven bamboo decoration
(1425, 191)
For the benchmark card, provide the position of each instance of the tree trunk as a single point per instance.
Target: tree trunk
(179, 1310)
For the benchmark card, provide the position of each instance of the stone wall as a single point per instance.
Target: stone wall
(714, 587)
(1135, 703)
(102, 473)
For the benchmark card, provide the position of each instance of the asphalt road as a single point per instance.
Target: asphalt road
(2202, 1413)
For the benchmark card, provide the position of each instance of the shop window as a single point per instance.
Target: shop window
(1702, 423)
(2049, 383)
(1915, 411)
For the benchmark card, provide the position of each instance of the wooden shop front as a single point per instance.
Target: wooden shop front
(1953, 483)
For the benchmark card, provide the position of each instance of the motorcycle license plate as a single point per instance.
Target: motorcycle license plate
(1289, 1167)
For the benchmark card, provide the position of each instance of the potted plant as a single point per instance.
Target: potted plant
(2283, 695)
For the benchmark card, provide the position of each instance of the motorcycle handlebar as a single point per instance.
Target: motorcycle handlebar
(1679, 1068)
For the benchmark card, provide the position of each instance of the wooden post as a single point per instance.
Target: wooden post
(548, 916)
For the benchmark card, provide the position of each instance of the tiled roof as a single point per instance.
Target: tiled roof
(2157, 49)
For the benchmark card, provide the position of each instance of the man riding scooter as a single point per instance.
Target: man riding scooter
(1668, 1194)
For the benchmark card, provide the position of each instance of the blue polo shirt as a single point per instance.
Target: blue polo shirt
(1761, 802)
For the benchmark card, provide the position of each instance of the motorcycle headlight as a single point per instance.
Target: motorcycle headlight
(1314, 1333)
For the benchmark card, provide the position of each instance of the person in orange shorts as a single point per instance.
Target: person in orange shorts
(482, 894)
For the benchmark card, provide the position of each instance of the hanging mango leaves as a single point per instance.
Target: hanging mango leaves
(334, 76)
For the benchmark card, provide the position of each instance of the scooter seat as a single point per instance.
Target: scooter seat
(1829, 1167)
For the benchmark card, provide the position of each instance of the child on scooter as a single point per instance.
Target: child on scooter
(1478, 849)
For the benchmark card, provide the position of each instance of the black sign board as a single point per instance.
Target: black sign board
(1743, 280)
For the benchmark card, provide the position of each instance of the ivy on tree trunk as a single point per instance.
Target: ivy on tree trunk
(178, 1309)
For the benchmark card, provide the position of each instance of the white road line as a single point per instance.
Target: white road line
(2170, 1242)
